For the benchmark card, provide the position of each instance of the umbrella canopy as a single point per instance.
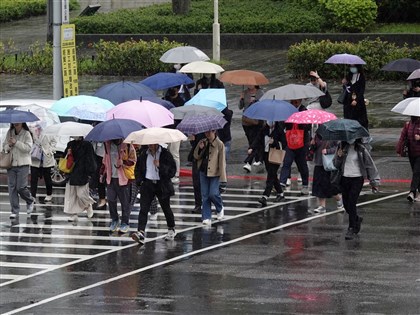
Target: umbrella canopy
(94, 112)
(68, 129)
(17, 116)
(46, 103)
(46, 117)
(402, 65)
(113, 129)
(292, 92)
(311, 116)
(62, 106)
(272, 110)
(414, 75)
(184, 111)
(193, 125)
(342, 129)
(155, 135)
(158, 100)
(123, 91)
(243, 77)
(201, 67)
(215, 98)
(346, 59)
(183, 54)
(145, 112)
(409, 106)
(164, 80)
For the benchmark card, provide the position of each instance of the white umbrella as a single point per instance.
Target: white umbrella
(155, 135)
(292, 92)
(68, 129)
(183, 54)
(201, 67)
(414, 75)
(46, 103)
(409, 106)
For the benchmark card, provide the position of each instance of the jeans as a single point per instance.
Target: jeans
(210, 193)
(299, 156)
(114, 192)
(17, 178)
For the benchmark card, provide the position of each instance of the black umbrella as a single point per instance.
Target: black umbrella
(342, 129)
(402, 65)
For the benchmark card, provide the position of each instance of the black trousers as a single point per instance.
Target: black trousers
(415, 180)
(94, 182)
(41, 172)
(196, 184)
(351, 188)
(148, 191)
(272, 179)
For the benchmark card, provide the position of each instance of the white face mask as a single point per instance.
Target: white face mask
(353, 70)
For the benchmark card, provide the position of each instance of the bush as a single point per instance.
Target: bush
(310, 55)
(350, 15)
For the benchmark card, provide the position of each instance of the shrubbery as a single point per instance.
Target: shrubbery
(311, 55)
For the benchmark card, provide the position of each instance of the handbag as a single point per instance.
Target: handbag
(342, 96)
(5, 160)
(36, 152)
(311, 152)
(325, 100)
(327, 162)
(335, 178)
(294, 138)
(276, 156)
(66, 164)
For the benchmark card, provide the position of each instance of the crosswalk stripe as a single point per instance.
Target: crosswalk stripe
(38, 254)
(5, 264)
(62, 245)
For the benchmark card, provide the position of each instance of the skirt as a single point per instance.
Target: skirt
(77, 199)
(321, 186)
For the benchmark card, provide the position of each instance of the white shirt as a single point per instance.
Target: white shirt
(352, 166)
(152, 172)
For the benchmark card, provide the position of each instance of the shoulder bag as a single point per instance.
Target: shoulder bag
(325, 100)
(5, 160)
(66, 164)
(36, 151)
(327, 162)
(342, 96)
(295, 137)
(276, 156)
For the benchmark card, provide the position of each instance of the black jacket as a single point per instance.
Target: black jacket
(85, 162)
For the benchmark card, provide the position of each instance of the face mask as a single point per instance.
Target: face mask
(352, 141)
(353, 69)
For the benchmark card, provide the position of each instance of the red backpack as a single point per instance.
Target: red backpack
(295, 138)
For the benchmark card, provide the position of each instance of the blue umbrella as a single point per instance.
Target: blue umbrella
(272, 110)
(62, 106)
(215, 98)
(123, 91)
(164, 80)
(17, 116)
(195, 124)
(158, 100)
(113, 129)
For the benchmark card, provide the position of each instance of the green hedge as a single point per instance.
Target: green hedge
(311, 55)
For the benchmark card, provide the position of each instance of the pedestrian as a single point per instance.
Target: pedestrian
(153, 172)
(273, 137)
(43, 161)
(413, 89)
(315, 81)
(354, 106)
(172, 95)
(211, 162)
(76, 195)
(205, 83)
(119, 162)
(409, 145)
(354, 163)
(97, 186)
(194, 140)
(322, 188)
(19, 142)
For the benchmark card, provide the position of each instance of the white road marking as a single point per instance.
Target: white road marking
(45, 255)
(55, 245)
(4, 264)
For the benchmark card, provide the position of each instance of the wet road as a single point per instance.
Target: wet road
(274, 260)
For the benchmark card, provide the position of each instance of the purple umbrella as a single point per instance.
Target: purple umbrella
(346, 59)
(193, 125)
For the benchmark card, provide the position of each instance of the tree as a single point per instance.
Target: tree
(181, 7)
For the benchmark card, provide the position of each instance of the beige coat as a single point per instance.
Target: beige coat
(47, 144)
(217, 159)
(21, 151)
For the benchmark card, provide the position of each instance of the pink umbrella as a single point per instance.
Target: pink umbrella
(147, 113)
(311, 116)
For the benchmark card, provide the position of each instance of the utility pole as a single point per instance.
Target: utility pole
(57, 71)
(216, 32)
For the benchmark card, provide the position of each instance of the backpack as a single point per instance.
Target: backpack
(295, 138)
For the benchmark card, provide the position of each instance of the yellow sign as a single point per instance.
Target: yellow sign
(69, 60)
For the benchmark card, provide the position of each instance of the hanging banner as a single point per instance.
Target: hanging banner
(69, 60)
(65, 12)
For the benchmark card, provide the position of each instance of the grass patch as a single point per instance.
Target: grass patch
(394, 28)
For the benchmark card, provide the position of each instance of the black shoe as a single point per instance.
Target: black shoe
(411, 197)
(350, 234)
(358, 225)
(279, 197)
(197, 209)
(263, 201)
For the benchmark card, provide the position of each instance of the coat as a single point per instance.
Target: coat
(85, 162)
(167, 170)
(47, 144)
(359, 111)
(410, 129)
(127, 159)
(217, 158)
(21, 151)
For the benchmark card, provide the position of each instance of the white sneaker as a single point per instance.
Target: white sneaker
(304, 191)
(153, 216)
(30, 207)
(73, 218)
(175, 180)
(288, 182)
(340, 205)
(89, 211)
(320, 209)
(48, 198)
(221, 214)
(171, 235)
(299, 179)
(247, 167)
(207, 222)
(257, 163)
(12, 216)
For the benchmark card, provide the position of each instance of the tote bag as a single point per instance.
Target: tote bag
(294, 138)
(5, 160)
(327, 161)
(276, 156)
(66, 164)
(36, 151)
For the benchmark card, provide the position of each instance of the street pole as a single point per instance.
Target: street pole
(216, 32)
(57, 71)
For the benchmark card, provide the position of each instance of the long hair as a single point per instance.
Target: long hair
(24, 126)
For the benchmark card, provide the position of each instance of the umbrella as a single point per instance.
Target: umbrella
(311, 116)
(113, 129)
(164, 80)
(409, 106)
(243, 77)
(342, 129)
(145, 112)
(292, 92)
(155, 135)
(17, 116)
(123, 91)
(201, 67)
(68, 129)
(46, 117)
(402, 65)
(157, 100)
(414, 75)
(184, 111)
(94, 112)
(62, 106)
(215, 98)
(46, 103)
(346, 59)
(183, 54)
(193, 125)
(272, 110)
